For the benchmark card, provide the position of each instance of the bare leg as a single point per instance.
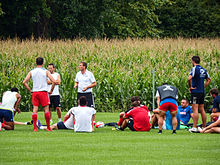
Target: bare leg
(213, 130)
(174, 120)
(58, 112)
(203, 114)
(155, 118)
(195, 115)
(161, 118)
(125, 123)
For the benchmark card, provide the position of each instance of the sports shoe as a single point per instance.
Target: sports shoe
(118, 129)
(0, 126)
(200, 129)
(38, 124)
(30, 122)
(193, 130)
(159, 132)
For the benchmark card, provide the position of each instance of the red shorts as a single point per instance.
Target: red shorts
(168, 106)
(40, 98)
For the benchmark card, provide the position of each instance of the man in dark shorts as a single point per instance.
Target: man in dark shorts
(10, 102)
(136, 118)
(55, 96)
(196, 87)
(167, 100)
(85, 81)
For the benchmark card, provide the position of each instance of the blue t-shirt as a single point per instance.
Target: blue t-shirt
(216, 103)
(198, 74)
(169, 125)
(185, 114)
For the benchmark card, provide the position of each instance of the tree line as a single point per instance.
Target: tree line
(59, 19)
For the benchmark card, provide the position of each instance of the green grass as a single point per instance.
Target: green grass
(104, 146)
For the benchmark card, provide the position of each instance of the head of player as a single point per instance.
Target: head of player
(51, 68)
(214, 92)
(135, 101)
(82, 66)
(39, 61)
(195, 60)
(184, 103)
(82, 101)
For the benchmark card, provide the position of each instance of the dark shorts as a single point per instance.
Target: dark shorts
(89, 98)
(197, 98)
(6, 115)
(60, 125)
(131, 125)
(55, 101)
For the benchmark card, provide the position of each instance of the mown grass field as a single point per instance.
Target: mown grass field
(122, 68)
(104, 146)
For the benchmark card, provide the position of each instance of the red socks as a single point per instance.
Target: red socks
(47, 117)
(120, 121)
(34, 118)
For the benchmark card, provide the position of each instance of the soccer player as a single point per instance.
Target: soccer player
(196, 87)
(85, 81)
(136, 118)
(39, 92)
(213, 128)
(216, 104)
(55, 96)
(10, 102)
(185, 111)
(83, 116)
(167, 100)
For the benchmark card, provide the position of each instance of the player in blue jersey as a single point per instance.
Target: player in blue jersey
(216, 104)
(185, 111)
(196, 87)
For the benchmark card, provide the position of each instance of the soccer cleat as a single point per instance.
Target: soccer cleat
(118, 129)
(30, 122)
(193, 130)
(38, 124)
(159, 132)
(200, 129)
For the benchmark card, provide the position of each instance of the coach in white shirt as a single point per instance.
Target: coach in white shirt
(83, 116)
(85, 81)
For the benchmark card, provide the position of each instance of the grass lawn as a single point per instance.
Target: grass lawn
(105, 146)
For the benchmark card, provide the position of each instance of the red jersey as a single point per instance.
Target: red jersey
(140, 118)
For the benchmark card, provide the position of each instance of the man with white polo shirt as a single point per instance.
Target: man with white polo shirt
(85, 81)
(39, 92)
(55, 96)
(83, 116)
(10, 102)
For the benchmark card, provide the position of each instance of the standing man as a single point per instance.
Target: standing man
(39, 92)
(85, 81)
(167, 100)
(216, 104)
(185, 111)
(196, 87)
(10, 102)
(55, 96)
(83, 116)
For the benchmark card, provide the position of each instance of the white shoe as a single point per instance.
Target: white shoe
(193, 130)
(0, 126)
(200, 129)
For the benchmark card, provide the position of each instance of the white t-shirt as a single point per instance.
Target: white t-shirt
(8, 100)
(84, 80)
(69, 122)
(56, 88)
(83, 118)
(39, 78)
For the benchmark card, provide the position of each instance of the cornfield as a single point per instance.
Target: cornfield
(122, 68)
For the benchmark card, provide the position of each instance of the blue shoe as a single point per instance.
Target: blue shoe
(38, 124)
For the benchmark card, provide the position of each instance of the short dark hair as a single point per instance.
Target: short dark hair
(135, 101)
(214, 91)
(196, 59)
(165, 83)
(14, 89)
(52, 65)
(84, 64)
(39, 61)
(186, 100)
(82, 101)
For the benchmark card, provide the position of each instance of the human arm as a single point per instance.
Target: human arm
(76, 84)
(158, 102)
(93, 120)
(90, 86)
(208, 80)
(25, 82)
(190, 83)
(53, 81)
(18, 96)
(211, 125)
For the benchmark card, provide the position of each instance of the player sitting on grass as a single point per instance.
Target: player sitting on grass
(136, 118)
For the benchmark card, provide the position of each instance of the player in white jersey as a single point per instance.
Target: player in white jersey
(10, 102)
(55, 96)
(84, 116)
(39, 92)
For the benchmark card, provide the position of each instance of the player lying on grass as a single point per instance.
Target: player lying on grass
(79, 118)
(136, 118)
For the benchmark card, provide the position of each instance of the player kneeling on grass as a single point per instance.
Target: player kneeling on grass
(79, 118)
(10, 102)
(137, 118)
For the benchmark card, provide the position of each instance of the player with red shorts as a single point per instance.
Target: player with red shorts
(40, 96)
(167, 100)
